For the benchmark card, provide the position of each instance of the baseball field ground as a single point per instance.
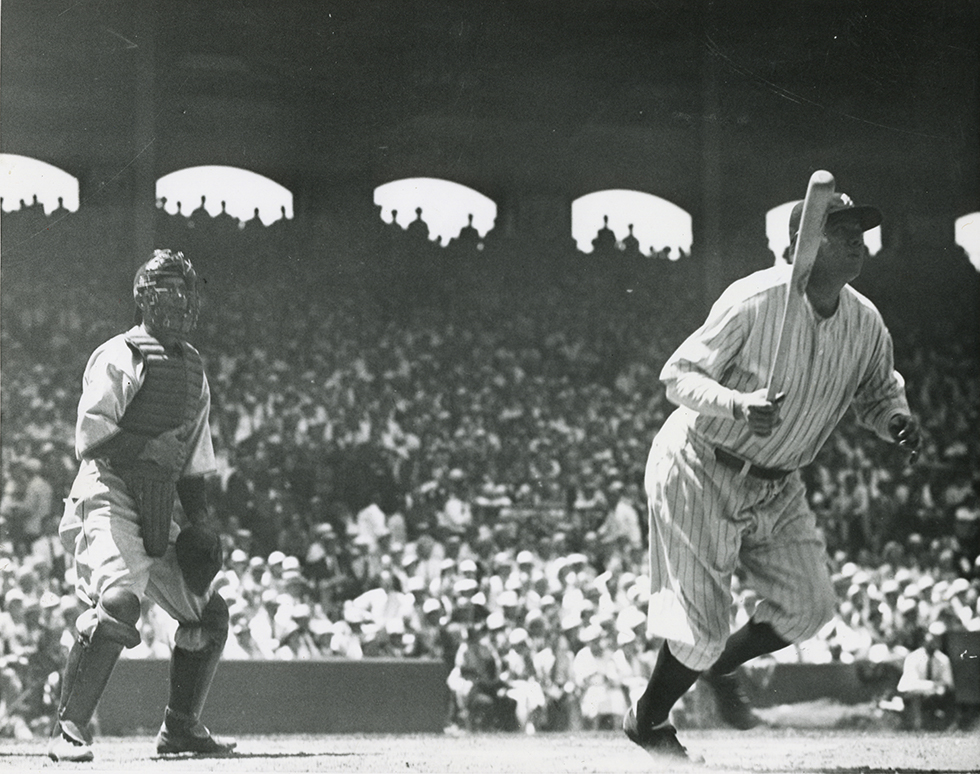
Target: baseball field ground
(770, 751)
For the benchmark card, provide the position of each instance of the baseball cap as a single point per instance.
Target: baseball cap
(840, 203)
(496, 621)
(958, 586)
(625, 636)
(590, 633)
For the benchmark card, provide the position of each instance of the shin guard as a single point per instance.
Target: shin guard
(103, 633)
(192, 671)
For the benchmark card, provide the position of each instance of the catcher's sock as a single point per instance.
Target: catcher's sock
(753, 639)
(670, 680)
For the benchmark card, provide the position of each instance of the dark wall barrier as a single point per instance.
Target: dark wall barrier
(410, 696)
(268, 697)
(771, 685)
(963, 649)
(768, 686)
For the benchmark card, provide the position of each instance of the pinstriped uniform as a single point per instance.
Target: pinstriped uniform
(706, 517)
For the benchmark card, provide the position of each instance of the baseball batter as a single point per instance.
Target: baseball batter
(143, 439)
(722, 478)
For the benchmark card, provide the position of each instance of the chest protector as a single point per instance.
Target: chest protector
(171, 391)
(169, 396)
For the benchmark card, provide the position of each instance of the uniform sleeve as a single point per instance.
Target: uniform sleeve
(881, 393)
(200, 457)
(694, 374)
(112, 378)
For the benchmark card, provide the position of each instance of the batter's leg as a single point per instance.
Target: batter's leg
(787, 566)
(752, 640)
(670, 680)
(647, 723)
(789, 569)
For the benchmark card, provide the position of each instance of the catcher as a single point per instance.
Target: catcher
(144, 442)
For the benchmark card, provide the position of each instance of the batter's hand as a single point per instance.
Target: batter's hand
(905, 431)
(761, 413)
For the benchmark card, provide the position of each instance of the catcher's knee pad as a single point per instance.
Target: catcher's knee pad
(211, 630)
(215, 617)
(113, 618)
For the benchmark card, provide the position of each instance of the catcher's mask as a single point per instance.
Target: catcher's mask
(166, 294)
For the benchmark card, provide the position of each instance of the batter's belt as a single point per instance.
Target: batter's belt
(733, 461)
(154, 490)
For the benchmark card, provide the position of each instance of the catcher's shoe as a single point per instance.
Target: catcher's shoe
(68, 743)
(660, 742)
(732, 705)
(183, 736)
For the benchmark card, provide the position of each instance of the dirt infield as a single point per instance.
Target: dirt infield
(812, 751)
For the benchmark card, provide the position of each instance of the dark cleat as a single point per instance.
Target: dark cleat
(660, 743)
(180, 736)
(732, 705)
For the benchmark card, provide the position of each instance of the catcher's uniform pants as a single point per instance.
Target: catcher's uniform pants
(101, 528)
(705, 519)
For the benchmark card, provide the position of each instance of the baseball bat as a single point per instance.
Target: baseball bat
(819, 191)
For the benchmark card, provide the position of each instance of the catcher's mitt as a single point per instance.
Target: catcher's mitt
(199, 556)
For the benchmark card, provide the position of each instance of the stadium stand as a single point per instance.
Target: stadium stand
(445, 452)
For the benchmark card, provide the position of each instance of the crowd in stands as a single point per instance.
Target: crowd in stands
(461, 480)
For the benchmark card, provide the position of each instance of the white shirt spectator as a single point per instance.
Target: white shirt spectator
(926, 674)
(622, 524)
(372, 524)
(456, 515)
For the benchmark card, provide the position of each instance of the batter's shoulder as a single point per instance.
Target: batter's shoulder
(756, 286)
(861, 304)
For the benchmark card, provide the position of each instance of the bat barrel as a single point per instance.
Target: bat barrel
(818, 195)
(822, 178)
